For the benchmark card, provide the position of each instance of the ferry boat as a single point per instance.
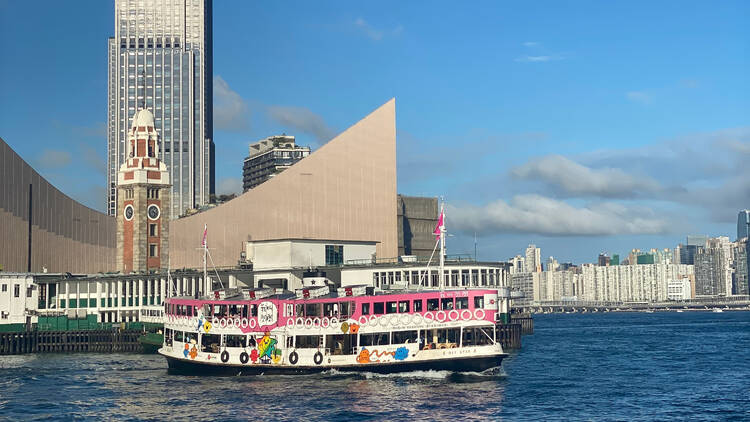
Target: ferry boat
(272, 331)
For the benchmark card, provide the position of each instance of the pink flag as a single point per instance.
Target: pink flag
(205, 233)
(436, 232)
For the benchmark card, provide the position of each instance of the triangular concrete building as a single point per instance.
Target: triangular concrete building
(346, 190)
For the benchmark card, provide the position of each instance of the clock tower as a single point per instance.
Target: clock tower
(143, 200)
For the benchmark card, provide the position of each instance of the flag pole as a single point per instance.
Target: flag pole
(442, 246)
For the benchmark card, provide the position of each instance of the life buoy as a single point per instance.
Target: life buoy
(225, 356)
(451, 313)
(393, 319)
(316, 322)
(294, 358)
(429, 317)
(334, 322)
(222, 323)
(318, 358)
(417, 319)
(308, 323)
(440, 316)
(245, 323)
(325, 322)
(373, 320)
(479, 313)
(363, 320)
(290, 323)
(244, 357)
(300, 322)
(466, 315)
(405, 319)
(237, 323)
(251, 322)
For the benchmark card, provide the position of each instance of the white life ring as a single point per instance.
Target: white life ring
(417, 319)
(450, 315)
(252, 322)
(334, 322)
(215, 321)
(300, 322)
(440, 316)
(373, 320)
(466, 315)
(290, 322)
(223, 323)
(244, 323)
(363, 320)
(325, 322)
(405, 319)
(237, 323)
(479, 313)
(428, 317)
(308, 323)
(316, 322)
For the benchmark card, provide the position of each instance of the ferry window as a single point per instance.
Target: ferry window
(476, 337)
(365, 309)
(478, 302)
(312, 309)
(417, 306)
(191, 337)
(210, 343)
(329, 309)
(254, 310)
(379, 308)
(299, 309)
(403, 306)
(390, 307)
(346, 309)
(234, 310)
(222, 310)
(375, 339)
(400, 337)
(189, 310)
(244, 311)
(168, 337)
(462, 303)
(307, 342)
(207, 309)
(432, 304)
(178, 336)
(446, 303)
(449, 336)
(235, 341)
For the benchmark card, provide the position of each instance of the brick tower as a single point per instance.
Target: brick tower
(143, 201)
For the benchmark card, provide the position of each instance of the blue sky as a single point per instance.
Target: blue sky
(579, 126)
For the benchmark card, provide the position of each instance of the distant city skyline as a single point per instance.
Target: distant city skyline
(609, 130)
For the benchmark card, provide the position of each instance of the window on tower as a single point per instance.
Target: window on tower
(153, 250)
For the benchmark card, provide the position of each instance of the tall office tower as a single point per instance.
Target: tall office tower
(743, 224)
(161, 56)
(688, 251)
(533, 262)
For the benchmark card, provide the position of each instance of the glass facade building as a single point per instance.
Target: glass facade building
(743, 224)
(161, 56)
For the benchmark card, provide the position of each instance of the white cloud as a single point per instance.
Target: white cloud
(303, 120)
(229, 185)
(576, 179)
(539, 59)
(535, 214)
(530, 44)
(231, 112)
(53, 159)
(374, 33)
(639, 97)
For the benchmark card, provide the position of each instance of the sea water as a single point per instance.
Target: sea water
(613, 366)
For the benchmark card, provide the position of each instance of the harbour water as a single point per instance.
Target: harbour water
(614, 366)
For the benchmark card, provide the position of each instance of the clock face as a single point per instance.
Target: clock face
(128, 212)
(153, 212)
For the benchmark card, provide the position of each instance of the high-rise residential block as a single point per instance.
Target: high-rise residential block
(160, 58)
(713, 274)
(269, 157)
(533, 262)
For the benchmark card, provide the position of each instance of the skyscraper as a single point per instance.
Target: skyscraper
(533, 261)
(743, 224)
(161, 57)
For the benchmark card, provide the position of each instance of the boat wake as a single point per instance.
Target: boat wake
(492, 373)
